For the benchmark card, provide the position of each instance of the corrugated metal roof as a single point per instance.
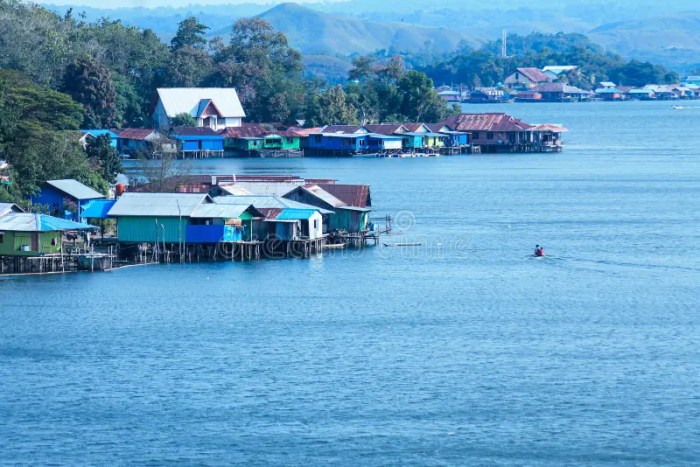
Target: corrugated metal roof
(32, 222)
(186, 100)
(295, 214)
(486, 122)
(247, 130)
(416, 127)
(9, 207)
(267, 202)
(98, 208)
(158, 204)
(75, 189)
(138, 134)
(386, 128)
(223, 211)
(549, 127)
(533, 74)
(323, 195)
(303, 132)
(351, 195)
(263, 187)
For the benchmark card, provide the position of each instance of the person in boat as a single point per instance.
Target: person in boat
(539, 251)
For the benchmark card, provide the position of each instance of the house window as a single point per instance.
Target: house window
(2, 237)
(315, 224)
(362, 142)
(489, 135)
(475, 135)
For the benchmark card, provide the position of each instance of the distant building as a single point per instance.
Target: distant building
(87, 135)
(560, 92)
(500, 132)
(135, 141)
(214, 108)
(486, 95)
(526, 78)
(555, 71)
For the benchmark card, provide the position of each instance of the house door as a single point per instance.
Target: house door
(34, 240)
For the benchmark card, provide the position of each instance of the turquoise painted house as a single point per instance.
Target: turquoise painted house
(179, 218)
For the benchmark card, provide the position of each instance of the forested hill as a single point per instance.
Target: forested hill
(661, 32)
(315, 32)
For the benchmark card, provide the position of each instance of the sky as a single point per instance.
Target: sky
(155, 3)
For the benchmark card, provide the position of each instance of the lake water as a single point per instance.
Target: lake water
(463, 351)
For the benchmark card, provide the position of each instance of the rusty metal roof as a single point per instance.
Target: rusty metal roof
(486, 122)
(415, 127)
(533, 74)
(137, 133)
(248, 130)
(303, 132)
(351, 195)
(386, 128)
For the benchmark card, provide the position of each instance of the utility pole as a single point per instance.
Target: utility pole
(504, 44)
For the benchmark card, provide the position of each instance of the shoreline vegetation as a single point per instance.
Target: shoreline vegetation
(60, 73)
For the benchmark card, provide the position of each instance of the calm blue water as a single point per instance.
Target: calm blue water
(464, 351)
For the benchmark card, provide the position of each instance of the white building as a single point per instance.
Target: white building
(216, 108)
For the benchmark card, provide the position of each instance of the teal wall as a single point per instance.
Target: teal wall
(143, 229)
(350, 220)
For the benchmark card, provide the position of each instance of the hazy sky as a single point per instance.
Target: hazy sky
(155, 3)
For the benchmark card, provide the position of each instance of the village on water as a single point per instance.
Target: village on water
(71, 226)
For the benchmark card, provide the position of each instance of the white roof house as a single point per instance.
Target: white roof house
(216, 108)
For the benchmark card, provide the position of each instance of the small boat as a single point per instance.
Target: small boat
(334, 246)
(677, 107)
(403, 244)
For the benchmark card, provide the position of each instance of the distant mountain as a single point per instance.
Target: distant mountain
(672, 40)
(316, 32)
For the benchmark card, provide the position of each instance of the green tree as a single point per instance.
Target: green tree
(265, 71)
(190, 33)
(420, 101)
(331, 107)
(183, 119)
(362, 68)
(38, 137)
(103, 157)
(90, 84)
(189, 66)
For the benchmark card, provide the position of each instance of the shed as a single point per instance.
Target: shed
(31, 234)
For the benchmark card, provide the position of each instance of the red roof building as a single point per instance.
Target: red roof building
(525, 78)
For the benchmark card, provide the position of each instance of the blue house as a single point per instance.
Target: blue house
(337, 144)
(65, 198)
(199, 142)
(90, 134)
